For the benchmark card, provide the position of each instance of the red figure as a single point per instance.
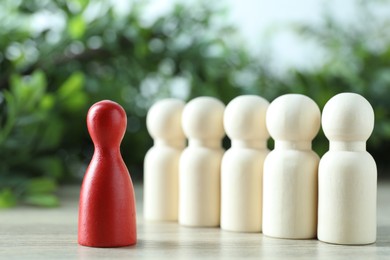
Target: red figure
(107, 216)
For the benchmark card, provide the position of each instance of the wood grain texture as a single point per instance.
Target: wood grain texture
(31, 233)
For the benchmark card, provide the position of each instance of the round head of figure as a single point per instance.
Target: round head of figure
(106, 122)
(348, 117)
(203, 118)
(164, 119)
(244, 118)
(293, 118)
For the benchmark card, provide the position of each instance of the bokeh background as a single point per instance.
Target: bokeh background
(58, 57)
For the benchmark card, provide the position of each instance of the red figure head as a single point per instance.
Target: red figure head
(106, 121)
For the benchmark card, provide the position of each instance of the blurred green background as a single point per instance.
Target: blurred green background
(58, 57)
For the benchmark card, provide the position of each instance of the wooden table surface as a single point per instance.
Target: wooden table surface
(36, 233)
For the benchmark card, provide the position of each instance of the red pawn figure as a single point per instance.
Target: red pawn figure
(107, 215)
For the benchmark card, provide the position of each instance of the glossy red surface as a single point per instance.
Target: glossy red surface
(107, 213)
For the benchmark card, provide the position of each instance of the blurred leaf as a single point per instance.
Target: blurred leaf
(28, 90)
(50, 166)
(40, 185)
(76, 27)
(47, 102)
(11, 114)
(16, 86)
(42, 200)
(83, 3)
(386, 129)
(73, 85)
(71, 93)
(51, 134)
(38, 84)
(77, 102)
(7, 198)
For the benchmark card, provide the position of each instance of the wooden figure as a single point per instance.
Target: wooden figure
(107, 213)
(347, 173)
(161, 165)
(290, 170)
(242, 164)
(199, 168)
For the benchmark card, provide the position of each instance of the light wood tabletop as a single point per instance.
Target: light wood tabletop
(36, 233)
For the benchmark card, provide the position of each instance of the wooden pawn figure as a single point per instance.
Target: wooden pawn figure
(242, 164)
(290, 170)
(161, 165)
(199, 170)
(107, 213)
(347, 173)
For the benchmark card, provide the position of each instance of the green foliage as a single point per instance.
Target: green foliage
(7, 198)
(30, 136)
(52, 72)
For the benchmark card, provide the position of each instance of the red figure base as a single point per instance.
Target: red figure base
(107, 214)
